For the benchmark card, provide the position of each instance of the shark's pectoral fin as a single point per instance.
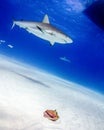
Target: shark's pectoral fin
(46, 19)
(52, 43)
(40, 29)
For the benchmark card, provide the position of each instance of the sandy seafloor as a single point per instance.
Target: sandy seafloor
(26, 92)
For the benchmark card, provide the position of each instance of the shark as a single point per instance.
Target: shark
(65, 59)
(44, 30)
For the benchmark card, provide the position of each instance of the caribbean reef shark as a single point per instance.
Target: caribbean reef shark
(44, 30)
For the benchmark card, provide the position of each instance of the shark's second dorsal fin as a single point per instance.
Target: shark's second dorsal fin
(46, 19)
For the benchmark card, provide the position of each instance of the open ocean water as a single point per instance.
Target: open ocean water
(85, 56)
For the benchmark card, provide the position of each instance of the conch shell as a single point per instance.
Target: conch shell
(51, 115)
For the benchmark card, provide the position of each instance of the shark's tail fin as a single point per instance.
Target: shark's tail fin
(13, 25)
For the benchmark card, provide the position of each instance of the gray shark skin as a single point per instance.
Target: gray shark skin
(44, 30)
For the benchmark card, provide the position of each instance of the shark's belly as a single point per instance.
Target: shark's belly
(47, 35)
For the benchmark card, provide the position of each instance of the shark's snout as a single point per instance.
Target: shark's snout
(69, 40)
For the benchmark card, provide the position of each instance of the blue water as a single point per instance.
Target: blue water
(86, 53)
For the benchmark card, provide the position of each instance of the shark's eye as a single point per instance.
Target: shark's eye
(64, 40)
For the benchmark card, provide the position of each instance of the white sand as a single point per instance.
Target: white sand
(26, 92)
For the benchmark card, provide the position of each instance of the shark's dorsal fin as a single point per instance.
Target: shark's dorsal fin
(46, 19)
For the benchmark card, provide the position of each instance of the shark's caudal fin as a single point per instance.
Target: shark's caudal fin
(46, 19)
(13, 25)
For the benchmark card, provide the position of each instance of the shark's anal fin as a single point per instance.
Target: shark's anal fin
(52, 43)
(46, 19)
